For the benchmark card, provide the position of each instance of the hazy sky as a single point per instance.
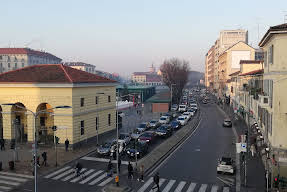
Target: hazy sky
(128, 35)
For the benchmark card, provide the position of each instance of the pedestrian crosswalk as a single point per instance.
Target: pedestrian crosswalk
(87, 176)
(9, 180)
(171, 185)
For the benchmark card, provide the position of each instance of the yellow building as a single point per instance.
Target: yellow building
(41, 88)
(273, 103)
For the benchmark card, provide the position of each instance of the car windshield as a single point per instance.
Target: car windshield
(143, 125)
(181, 106)
(146, 135)
(106, 145)
(153, 122)
(163, 118)
(181, 118)
(174, 123)
(174, 105)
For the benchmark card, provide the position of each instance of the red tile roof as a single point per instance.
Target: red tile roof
(250, 62)
(51, 73)
(26, 51)
(140, 73)
(255, 72)
(235, 73)
(153, 78)
(273, 30)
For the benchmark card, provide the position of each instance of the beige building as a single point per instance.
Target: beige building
(273, 101)
(41, 88)
(209, 68)
(15, 58)
(81, 66)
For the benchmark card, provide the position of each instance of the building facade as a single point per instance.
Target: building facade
(81, 66)
(41, 88)
(16, 58)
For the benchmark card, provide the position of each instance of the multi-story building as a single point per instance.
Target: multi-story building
(15, 58)
(209, 68)
(273, 101)
(148, 78)
(139, 77)
(206, 82)
(81, 66)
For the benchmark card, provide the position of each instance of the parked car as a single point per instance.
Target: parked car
(227, 123)
(182, 108)
(175, 125)
(164, 131)
(182, 120)
(143, 127)
(174, 107)
(191, 111)
(187, 114)
(225, 165)
(194, 106)
(105, 149)
(125, 137)
(136, 133)
(154, 124)
(148, 137)
(137, 148)
(164, 120)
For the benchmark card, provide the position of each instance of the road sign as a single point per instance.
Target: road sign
(241, 147)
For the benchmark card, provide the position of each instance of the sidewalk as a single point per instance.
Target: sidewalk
(255, 168)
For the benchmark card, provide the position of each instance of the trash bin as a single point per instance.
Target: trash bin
(11, 165)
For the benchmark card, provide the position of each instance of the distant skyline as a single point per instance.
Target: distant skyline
(126, 36)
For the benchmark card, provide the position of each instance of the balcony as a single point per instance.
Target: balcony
(263, 101)
(255, 92)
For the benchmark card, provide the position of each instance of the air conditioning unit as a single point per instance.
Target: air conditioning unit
(263, 100)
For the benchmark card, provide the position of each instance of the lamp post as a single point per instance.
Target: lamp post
(36, 114)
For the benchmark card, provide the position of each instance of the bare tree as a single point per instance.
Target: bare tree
(175, 71)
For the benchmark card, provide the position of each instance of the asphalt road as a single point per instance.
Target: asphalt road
(196, 159)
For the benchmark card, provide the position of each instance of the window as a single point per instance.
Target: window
(9, 65)
(270, 55)
(82, 102)
(23, 64)
(1, 57)
(109, 98)
(109, 119)
(97, 99)
(97, 123)
(16, 65)
(1, 65)
(82, 127)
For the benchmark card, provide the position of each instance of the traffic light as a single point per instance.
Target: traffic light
(276, 182)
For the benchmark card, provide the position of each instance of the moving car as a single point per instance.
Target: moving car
(225, 165)
(175, 125)
(124, 137)
(194, 106)
(204, 101)
(138, 149)
(227, 123)
(174, 107)
(105, 149)
(164, 119)
(182, 120)
(154, 124)
(191, 111)
(143, 127)
(182, 108)
(135, 135)
(164, 131)
(187, 114)
(148, 137)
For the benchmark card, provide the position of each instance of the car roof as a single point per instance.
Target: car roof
(227, 119)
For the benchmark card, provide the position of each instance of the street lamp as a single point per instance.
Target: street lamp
(35, 114)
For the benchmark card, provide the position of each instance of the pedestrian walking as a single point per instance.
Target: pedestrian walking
(44, 156)
(156, 181)
(109, 169)
(2, 144)
(141, 173)
(67, 142)
(130, 170)
(119, 164)
(252, 149)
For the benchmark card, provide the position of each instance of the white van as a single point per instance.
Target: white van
(182, 108)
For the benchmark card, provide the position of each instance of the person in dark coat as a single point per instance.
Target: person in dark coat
(156, 181)
(119, 164)
(67, 144)
(130, 170)
(110, 167)
(44, 156)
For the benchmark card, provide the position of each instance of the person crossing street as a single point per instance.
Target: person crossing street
(156, 181)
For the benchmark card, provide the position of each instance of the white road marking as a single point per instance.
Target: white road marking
(81, 176)
(161, 181)
(103, 160)
(13, 178)
(105, 182)
(5, 188)
(145, 186)
(16, 174)
(90, 177)
(73, 175)
(180, 186)
(9, 183)
(169, 186)
(191, 187)
(56, 172)
(214, 188)
(226, 189)
(203, 188)
(63, 174)
(98, 179)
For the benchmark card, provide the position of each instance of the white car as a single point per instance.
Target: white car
(225, 165)
(164, 120)
(194, 106)
(182, 120)
(187, 114)
(182, 108)
(174, 107)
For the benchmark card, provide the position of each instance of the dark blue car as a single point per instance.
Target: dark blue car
(175, 125)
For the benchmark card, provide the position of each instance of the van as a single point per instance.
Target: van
(182, 108)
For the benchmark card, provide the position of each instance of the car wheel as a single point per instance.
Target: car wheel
(219, 172)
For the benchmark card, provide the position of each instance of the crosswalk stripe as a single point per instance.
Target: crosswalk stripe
(73, 175)
(56, 172)
(13, 178)
(145, 186)
(16, 174)
(168, 186)
(90, 177)
(81, 176)
(98, 179)
(103, 160)
(9, 183)
(161, 181)
(180, 186)
(214, 188)
(5, 188)
(203, 188)
(191, 187)
(105, 182)
(63, 174)
(225, 189)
